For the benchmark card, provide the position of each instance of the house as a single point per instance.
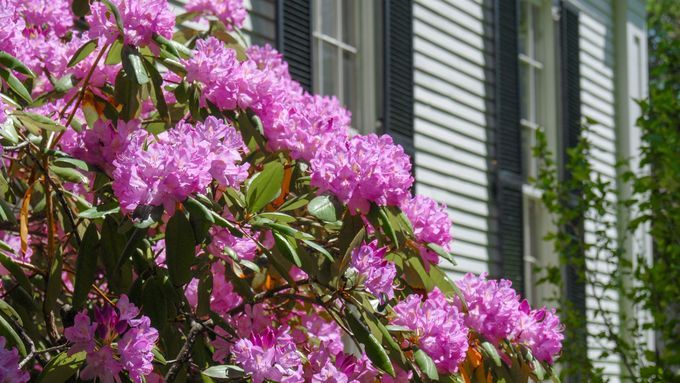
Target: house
(463, 85)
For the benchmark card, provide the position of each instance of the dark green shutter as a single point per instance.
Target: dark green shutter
(294, 38)
(398, 72)
(508, 145)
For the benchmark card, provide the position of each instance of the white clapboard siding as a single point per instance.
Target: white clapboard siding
(596, 31)
(454, 119)
(259, 26)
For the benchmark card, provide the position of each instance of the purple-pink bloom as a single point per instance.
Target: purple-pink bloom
(81, 334)
(493, 306)
(230, 12)
(378, 273)
(269, 356)
(438, 327)
(541, 331)
(136, 347)
(363, 169)
(102, 365)
(45, 16)
(9, 365)
(141, 19)
(431, 224)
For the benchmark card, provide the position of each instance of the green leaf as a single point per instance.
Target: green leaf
(322, 208)
(197, 208)
(158, 97)
(15, 84)
(286, 249)
(54, 285)
(13, 339)
(132, 63)
(82, 52)
(62, 367)
(490, 351)
(116, 15)
(11, 62)
(224, 372)
(68, 174)
(8, 310)
(154, 302)
(80, 8)
(265, 187)
(100, 211)
(16, 271)
(278, 217)
(374, 350)
(86, 265)
(180, 248)
(36, 122)
(319, 248)
(442, 253)
(158, 356)
(426, 365)
(115, 53)
(177, 49)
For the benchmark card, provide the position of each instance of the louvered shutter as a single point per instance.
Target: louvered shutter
(508, 188)
(398, 72)
(294, 38)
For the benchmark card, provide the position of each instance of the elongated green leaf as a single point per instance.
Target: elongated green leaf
(180, 248)
(490, 351)
(82, 52)
(278, 217)
(62, 367)
(8, 310)
(195, 207)
(426, 365)
(116, 15)
(177, 49)
(37, 122)
(80, 8)
(287, 249)
(319, 248)
(100, 211)
(13, 63)
(154, 302)
(16, 272)
(15, 84)
(265, 187)
(387, 226)
(68, 174)
(86, 265)
(13, 339)
(224, 372)
(322, 208)
(54, 285)
(374, 350)
(115, 53)
(132, 63)
(158, 97)
(442, 252)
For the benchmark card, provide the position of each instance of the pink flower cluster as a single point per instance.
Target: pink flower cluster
(495, 311)
(9, 365)
(230, 12)
(438, 328)
(141, 19)
(135, 337)
(269, 356)
(431, 224)
(376, 272)
(362, 170)
(177, 163)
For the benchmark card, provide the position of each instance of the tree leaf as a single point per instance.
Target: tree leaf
(80, 8)
(224, 372)
(442, 252)
(8, 310)
(15, 84)
(13, 339)
(82, 52)
(115, 53)
(54, 286)
(154, 303)
(286, 248)
(374, 350)
(116, 15)
(16, 271)
(426, 365)
(86, 265)
(13, 63)
(69, 174)
(100, 211)
(322, 208)
(36, 122)
(132, 63)
(159, 98)
(180, 248)
(490, 351)
(319, 248)
(265, 187)
(62, 367)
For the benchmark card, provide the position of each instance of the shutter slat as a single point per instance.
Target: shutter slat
(398, 71)
(294, 38)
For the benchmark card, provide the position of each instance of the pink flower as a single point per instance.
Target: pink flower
(102, 365)
(230, 12)
(48, 16)
(269, 356)
(437, 326)
(141, 20)
(493, 306)
(541, 331)
(431, 224)
(364, 169)
(135, 349)
(81, 334)
(378, 273)
(9, 365)
(223, 297)
(104, 142)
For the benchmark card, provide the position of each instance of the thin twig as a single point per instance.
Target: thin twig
(185, 352)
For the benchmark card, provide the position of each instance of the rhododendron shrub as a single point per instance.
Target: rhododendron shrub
(175, 204)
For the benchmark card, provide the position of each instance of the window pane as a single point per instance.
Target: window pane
(525, 90)
(330, 64)
(350, 87)
(329, 17)
(349, 22)
(524, 29)
(526, 152)
(537, 33)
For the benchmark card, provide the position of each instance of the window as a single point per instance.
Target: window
(344, 63)
(537, 100)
